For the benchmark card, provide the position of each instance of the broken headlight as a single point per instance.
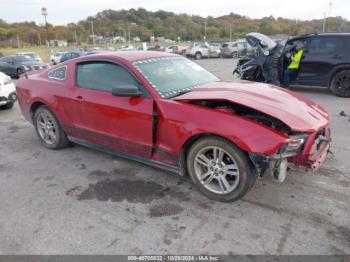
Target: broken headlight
(294, 146)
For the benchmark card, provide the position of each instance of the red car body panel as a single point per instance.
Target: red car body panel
(298, 112)
(159, 129)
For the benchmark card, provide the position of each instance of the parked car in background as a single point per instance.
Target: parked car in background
(7, 92)
(239, 48)
(127, 48)
(55, 58)
(149, 106)
(33, 55)
(155, 48)
(176, 49)
(1, 54)
(70, 55)
(199, 50)
(18, 64)
(325, 61)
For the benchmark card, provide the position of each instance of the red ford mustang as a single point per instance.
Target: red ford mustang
(166, 111)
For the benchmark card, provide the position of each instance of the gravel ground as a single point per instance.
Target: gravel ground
(80, 201)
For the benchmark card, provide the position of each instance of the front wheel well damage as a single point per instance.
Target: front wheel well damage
(188, 144)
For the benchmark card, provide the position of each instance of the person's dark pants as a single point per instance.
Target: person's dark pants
(288, 74)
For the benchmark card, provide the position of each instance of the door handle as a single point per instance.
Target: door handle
(79, 99)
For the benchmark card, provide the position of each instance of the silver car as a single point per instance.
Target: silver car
(239, 48)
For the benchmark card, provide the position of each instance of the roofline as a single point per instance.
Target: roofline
(321, 34)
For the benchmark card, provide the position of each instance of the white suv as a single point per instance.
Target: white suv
(8, 94)
(199, 50)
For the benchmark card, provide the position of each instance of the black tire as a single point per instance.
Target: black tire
(340, 85)
(198, 56)
(61, 140)
(246, 176)
(7, 106)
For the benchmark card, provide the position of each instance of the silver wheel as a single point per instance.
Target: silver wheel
(216, 170)
(47, 128)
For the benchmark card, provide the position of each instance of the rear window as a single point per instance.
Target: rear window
(225, 45)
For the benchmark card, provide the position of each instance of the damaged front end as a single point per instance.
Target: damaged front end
(308, 149)
(277, 163)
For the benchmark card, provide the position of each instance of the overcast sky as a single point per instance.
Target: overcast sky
(65, 11)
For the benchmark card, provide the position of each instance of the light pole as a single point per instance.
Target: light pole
(329, 10)
(44, 14)
(325, 18)
(205, 30)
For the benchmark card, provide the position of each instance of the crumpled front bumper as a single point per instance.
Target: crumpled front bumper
(315, 149)
(322, 144)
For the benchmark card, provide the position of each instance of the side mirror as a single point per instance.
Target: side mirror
(127, 90)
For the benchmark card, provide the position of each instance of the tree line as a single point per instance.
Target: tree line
(144, 24)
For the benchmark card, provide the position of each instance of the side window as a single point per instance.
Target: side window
(323, 45)
(102, 76)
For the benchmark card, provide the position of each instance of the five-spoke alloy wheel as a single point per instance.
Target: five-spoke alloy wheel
(216, 169)
(219, 169)
(50, 133)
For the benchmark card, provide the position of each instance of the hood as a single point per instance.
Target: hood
(298, 112)
(265, 42)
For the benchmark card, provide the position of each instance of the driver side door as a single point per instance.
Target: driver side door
(121, 123)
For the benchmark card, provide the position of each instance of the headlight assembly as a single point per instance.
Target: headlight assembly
(295, 145)
(292, 147)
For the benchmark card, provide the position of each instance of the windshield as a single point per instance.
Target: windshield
(171, 76)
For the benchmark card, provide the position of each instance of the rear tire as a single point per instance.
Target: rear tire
(219, 169)
(49, 130)
(340, 85)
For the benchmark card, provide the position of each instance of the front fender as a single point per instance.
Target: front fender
(180, 121)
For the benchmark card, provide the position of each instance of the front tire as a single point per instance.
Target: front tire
(340, 85)
(49, 130)
(219, 169)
